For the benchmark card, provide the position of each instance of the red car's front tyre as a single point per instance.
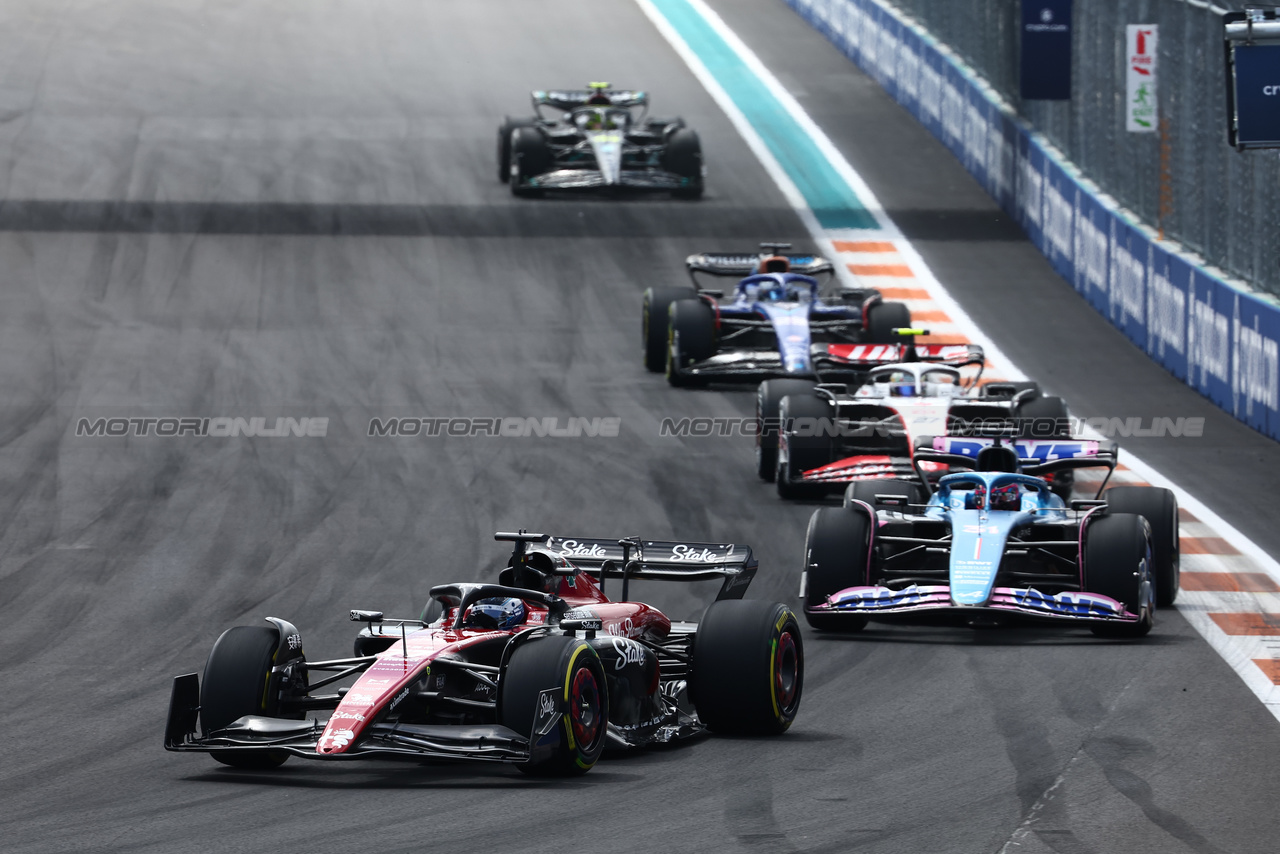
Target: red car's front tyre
(748, 667)
(569, 667)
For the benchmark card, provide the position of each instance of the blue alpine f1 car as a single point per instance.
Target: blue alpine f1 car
(776, 323)
(994, 544)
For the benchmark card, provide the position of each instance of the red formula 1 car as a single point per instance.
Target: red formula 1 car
(543, 669)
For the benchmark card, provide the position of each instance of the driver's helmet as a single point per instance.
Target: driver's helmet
(977, 499)
(600, 120)
(901, 383)
(773, 292)
(495, 613)
(1006, 497)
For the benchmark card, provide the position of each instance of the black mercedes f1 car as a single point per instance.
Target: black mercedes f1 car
(598, 138)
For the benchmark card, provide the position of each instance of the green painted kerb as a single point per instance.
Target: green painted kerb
(828, 196)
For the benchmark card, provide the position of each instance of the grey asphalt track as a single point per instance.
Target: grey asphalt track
(288, 209)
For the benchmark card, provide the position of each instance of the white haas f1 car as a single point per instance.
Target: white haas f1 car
(993, 544)
(829, 436)
(543, 669)
(595, 139)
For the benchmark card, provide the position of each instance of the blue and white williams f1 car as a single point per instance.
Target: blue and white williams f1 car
(777, 322)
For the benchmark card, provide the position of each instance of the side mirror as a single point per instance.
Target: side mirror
(1025, 395)
(590, 625)
(366, 616)
(1087, 503)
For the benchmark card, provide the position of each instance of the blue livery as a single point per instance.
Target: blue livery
(993, 543)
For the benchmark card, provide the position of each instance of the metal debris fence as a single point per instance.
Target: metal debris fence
(1218, 202)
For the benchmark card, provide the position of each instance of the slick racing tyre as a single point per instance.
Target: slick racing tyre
(1160, 508)
(748, 667)
(882, 319)
(530, 157)
(504, 144)
(570, 668)
(1117, 563)
(769, 397)
(683, 157)
(656, 323)
(867, 490)
(666, 127)
(1043, 418)
(691, 338)
(835, 554)
(808, 423)
(236, 681)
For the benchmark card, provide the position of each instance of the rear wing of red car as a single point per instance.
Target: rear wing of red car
(633, 558)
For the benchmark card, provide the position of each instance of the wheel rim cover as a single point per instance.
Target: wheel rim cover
(786, 672)
(584, 709)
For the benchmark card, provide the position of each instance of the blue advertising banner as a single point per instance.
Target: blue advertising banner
(1059, 221)
(1255, 363)
(1128, 284)
(1092, 245)
(1001, 172)
(1046, 50)
(932, 71)
(1209, 312)
(1168, 280)
(1029, 189)
(1257, 94)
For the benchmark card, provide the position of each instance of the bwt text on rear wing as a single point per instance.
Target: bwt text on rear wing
(650, 560)
(1036, 456)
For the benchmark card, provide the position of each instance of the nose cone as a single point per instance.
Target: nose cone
(607, 146)
(791, 326)
(977, 544)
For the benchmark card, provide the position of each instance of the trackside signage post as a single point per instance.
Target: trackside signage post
(1141, 111)
(1253, 79)
(1046, 50)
